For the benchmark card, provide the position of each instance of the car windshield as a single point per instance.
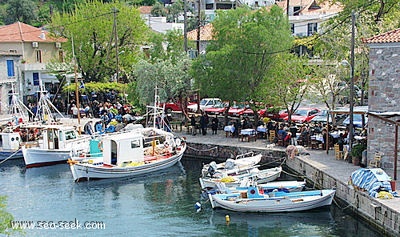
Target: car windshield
(203, 102)
(323, 113)
(219, 105)
(301, 112)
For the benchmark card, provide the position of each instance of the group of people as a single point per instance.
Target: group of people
(203, 123)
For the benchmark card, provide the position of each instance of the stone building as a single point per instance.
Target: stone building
(384, 96)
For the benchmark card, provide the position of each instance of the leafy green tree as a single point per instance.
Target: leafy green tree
(241, 55)
(158, 10)
(286, 82)
(174, 10)
(21, 10)
(91, 29)
(171, 77)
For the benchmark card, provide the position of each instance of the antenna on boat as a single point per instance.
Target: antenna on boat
(16, 106)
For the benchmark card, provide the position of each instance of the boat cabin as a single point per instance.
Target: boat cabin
(121, 148)
(10, 141)
(57, 137)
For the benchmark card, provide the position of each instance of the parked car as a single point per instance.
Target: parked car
(204, 103)
(302, 115)
(218, 108)
(272, 113)
(357, 120)
(170, 106)
(239, 110)
(322, 117)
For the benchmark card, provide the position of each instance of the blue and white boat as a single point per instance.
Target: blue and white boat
(10, 145)
(252, 200)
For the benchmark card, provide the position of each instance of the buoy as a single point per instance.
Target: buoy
(197, 206)
(227, 219)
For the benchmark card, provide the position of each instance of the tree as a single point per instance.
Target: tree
(20, 10)
(91, 28)
(241, 54)
(172, 79)
(6, 219)
(287, 82)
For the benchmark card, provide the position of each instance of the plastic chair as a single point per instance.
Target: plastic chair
(338, 153)
(376, 162)
(272, 135)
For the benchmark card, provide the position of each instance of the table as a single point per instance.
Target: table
(248, 134)
(262, 131)
(229, 130)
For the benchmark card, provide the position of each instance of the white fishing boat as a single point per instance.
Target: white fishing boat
(10, 145)
(56, 144)
(242, 163)
(130, 154)
(252, 200)
(231, 180)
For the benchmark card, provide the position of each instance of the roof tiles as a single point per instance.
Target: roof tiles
(388, 37)
(21, 32)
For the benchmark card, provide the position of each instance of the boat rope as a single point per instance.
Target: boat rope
(340, 207)
(13, 154)
(294, 175)
(213, 148)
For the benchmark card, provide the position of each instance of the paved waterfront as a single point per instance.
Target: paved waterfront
(338, 169)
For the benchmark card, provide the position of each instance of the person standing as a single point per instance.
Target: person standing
(293, 131)
(203, 124)
(193, 124)
(214, 124)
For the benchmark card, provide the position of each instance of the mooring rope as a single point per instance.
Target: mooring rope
(202, 150)
(9, 157)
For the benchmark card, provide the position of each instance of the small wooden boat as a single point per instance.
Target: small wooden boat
(56, 144)
(129, 154)
(252, 200)
(232, 180)
(242, 163)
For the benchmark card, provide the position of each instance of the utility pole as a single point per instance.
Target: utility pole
(198, 28)
(351, 124)
(287, 8)
(185, 25)
(115, 11)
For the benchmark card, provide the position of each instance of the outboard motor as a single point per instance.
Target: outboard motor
(230, 164)
(212, 168)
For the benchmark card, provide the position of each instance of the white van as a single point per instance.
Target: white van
(204, 103)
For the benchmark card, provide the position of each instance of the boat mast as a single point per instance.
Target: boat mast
(76, 86)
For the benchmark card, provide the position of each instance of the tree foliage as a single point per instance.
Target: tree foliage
(287, 82)
(5, 219)
(20, 10)
(91, 28)
(241, 54)
(172, 79)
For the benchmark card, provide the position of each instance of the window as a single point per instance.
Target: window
(135, 144)
(35, 78)
(312, 29)
(292, 27)
(38, 56)
(296, 10)
(10, 68)
(61, 56)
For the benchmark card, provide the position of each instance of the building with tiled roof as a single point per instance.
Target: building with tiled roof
(384, 96)
(24, 52)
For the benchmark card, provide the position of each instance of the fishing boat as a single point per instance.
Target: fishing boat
(10, 145)
(252, 200)
(281, 186)
(56, 143)
(242, 163)
(130, 154)
(233, 180)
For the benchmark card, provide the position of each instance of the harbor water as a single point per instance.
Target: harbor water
(49, 203)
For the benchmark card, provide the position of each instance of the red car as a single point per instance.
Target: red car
(240, 110)
(302, 115)
(272, 114)
(216, 109)
(170, 106)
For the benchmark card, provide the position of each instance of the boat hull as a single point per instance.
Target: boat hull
(263, 176)
(273, 204)
(10, 155)
(85, 171)
(36, 157)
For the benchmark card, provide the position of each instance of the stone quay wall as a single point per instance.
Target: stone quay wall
(372, 210)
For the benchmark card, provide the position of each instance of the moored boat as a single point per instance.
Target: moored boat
(232, 180)
(56, 144)
(129, 154)
(252, 200)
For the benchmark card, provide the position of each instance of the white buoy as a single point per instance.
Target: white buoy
(197, 206)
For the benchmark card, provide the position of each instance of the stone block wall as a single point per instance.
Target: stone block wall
(383, 96)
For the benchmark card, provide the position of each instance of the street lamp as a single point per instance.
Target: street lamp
(351, 124)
